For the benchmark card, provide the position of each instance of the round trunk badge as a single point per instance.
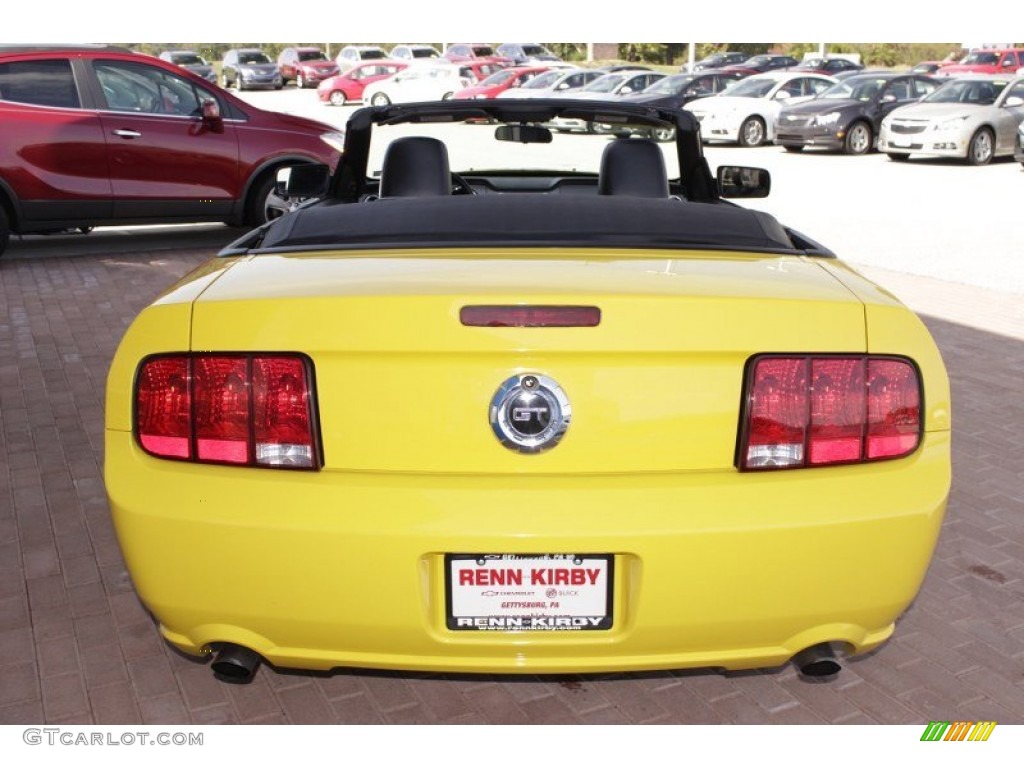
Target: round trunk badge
(530, 413)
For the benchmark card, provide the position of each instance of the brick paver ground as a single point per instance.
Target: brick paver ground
(77, 647)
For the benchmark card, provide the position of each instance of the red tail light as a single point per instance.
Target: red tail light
(818, 410)
(249, 410)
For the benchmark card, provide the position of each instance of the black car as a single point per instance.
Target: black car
(848, 115)
(765, 62)
(717, 60)
(249, 68)
(829, 65)
(674, 91)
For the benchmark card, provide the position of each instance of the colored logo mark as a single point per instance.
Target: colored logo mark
(959, 730)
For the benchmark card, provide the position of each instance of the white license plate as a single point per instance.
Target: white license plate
(900, 142)
(531, 593)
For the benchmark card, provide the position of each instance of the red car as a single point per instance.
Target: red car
(350, 85)
(306, 66)
(100, 135)
(500, 81)
(991, 61)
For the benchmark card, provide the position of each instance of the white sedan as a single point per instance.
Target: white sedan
(748, 110)
(973, 117)
(552, 84)
(427, 82)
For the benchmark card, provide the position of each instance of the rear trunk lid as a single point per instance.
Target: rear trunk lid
(403, 386)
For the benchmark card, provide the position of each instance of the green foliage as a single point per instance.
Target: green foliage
(568, 51)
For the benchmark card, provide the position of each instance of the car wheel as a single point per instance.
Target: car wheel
(447, 96)
(5, 230)
(338, 98)
(793, 147)
(752, 132)
(380, 100)
(981, 148)
(858, 139)
(85, 230)
(898, 157)
(662, 134)
(238, 83)
(225, 83)
(300, 81)
(265, 204)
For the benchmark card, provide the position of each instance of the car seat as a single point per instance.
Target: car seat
(632, 168)
(415, 166)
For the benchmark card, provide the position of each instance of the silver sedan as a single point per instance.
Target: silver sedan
(974, 118)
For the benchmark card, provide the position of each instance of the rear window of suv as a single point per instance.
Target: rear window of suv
(48, 83)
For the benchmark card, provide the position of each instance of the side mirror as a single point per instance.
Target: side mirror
(783, 95)
(1014, 101)
(889, 98)
(306, 180)
(627, 89)
(740, 181)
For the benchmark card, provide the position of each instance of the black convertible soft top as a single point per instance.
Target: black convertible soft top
(527, 219)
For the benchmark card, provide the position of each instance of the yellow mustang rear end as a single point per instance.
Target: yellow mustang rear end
(482, 455)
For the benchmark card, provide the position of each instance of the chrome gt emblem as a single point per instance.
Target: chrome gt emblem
(530, 413)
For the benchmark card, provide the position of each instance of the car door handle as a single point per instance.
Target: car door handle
(126, 134)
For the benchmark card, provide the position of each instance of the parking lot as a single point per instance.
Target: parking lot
(76, 646)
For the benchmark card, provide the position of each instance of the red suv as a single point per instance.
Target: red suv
(306, 66)
(100, 135)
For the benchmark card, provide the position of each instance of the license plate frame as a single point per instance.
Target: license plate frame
(552, 592)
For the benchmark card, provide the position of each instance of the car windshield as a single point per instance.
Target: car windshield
(857, 89)
(669, 86)
(966, 92)
(751, 87)
(544, 80)
(424, 53)
(499, 78)
(483, 50)
(373, 53)
(981, 57)
(187, 59)
(534, 50)
(311, 56)
(253, 57)
(605, 83)
(756, 61)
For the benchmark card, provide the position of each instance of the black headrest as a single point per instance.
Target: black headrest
(415, 166)
(634, 168)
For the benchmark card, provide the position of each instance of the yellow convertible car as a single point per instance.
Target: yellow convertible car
(496, 400)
